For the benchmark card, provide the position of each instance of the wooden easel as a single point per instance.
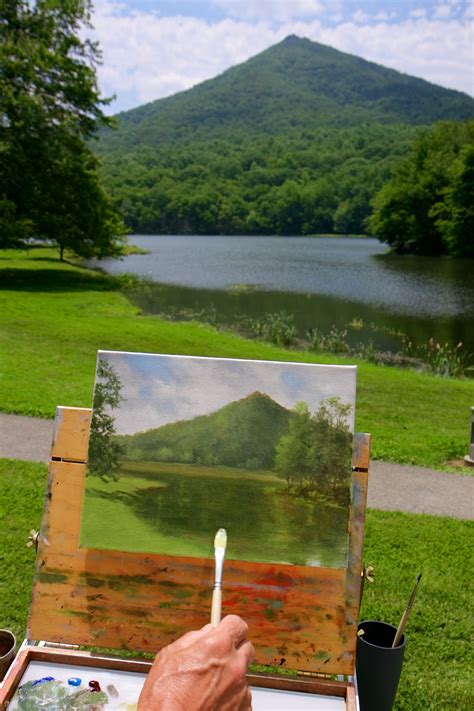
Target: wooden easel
(119, 600)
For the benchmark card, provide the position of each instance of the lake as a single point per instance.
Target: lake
(322, 282)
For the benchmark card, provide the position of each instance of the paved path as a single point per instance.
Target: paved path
(392, 487)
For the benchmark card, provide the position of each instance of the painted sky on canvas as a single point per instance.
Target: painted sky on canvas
(161, 389)
(155, 48)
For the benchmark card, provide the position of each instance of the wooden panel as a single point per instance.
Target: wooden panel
(361, 451)
(305, 685)
(353, 580)
(12, 679)
(299, 617)
(71, 433)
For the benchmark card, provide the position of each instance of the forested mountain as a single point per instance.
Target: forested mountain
(243, 434)
(296, 140)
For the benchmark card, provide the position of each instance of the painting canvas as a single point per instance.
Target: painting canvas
(181, 446)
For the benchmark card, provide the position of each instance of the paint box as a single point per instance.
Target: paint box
(302, 618)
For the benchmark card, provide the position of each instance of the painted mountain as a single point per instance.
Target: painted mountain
(296, 140)
(242, 434)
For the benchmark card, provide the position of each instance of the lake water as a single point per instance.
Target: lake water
(322, 281)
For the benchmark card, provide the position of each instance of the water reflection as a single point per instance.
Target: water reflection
(322, 281)
(275, 527)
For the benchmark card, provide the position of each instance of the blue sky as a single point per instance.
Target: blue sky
(154, 48)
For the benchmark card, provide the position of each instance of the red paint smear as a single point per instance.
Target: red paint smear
(277, 579)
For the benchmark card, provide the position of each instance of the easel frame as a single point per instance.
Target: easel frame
(66, 582)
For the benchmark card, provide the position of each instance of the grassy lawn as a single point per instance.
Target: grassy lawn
(438, 664)
(54, 318)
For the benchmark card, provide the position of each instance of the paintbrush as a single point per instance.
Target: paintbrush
(403, 621)
(220, 543)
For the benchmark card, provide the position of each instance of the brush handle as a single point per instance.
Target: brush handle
(216, 607)
(401, 628)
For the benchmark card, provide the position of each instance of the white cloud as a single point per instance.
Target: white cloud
(418, 12)
(442, 11)
(147, 56)
(271, 10)
(359, 16)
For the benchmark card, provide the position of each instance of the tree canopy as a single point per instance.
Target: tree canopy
(315, 455)
(427, 207)
(50, 106)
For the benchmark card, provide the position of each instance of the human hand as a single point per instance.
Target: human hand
(202, 671)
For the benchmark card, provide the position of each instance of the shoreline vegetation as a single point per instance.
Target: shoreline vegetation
(56, 315)
(279, 329)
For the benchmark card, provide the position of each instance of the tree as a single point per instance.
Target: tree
(104, 450)
(292, 449)
(455, 214)
(418, 210)
(50, 108)
(315, 455)
(330, 452)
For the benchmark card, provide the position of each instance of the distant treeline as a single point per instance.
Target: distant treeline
(304, 182)
(411, 187)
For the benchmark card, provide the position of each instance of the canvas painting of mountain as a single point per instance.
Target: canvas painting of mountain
(181, 446)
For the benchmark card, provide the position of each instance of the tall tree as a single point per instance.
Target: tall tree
(424, 207)
(50, 106)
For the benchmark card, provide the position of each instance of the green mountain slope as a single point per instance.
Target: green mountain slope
(296, 84)
(241, 434)
(296, 140)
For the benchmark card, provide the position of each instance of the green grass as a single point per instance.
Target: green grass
(55, 316)
(438, 664)
(439, 649)
(22, 488)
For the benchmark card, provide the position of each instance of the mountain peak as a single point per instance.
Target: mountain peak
(290, 39)
(296, 84)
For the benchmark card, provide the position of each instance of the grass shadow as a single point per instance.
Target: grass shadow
(60, 280)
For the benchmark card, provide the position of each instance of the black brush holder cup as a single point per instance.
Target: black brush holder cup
(7, 651)
(378, 666)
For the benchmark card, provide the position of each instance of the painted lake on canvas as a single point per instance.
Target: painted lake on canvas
(151, 507)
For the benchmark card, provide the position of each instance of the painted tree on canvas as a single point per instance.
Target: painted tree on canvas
(315, 455)
(104, 449)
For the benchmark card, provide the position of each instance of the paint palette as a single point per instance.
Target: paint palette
(122, 687)
(127, 687)
(90, 591)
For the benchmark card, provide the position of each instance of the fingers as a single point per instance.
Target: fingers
(190, 637)
(247, 651)
(235, 627)
(246, 702)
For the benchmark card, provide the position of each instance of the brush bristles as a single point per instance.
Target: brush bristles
(220, 541)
